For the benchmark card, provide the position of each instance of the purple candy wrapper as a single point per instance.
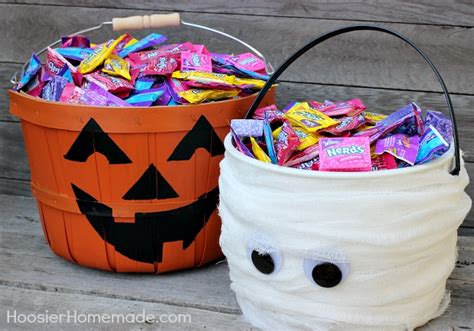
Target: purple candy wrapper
(391, 122)
(98, 95)
(174, 87)
(401, 146)
(240, 145)
(441, 123)
(53, 90)
(75, 41)
(247, 128)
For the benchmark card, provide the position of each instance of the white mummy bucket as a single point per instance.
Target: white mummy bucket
(330, 251)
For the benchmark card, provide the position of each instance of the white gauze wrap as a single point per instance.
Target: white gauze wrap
(392, 233)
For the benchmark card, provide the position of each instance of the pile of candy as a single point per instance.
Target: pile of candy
(126, 71)
(342, 136)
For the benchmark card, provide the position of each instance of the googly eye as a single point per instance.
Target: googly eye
(263, 253)
(325, 273)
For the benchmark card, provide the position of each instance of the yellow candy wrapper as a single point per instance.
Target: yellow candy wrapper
(206, 78)
(373, 118)
(116, 66)
(199, 95)
(310, 119)
(249, 82)
(306, 138)
(98, 56)
(259, 152)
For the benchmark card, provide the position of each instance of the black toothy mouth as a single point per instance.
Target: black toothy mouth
(143, 240)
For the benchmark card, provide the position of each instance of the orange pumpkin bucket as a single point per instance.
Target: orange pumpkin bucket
(128, 189)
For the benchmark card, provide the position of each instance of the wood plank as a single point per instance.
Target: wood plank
(147, 315)
(15, 187)
(452, 12)
(359, 59)
(25, 301)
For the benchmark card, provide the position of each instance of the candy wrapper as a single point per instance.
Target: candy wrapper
(160, 66)
(33, 67)
(145, 98)
(311, 120)
(76, 41)
(110, 83)
(286, 143)
(344, 154)
(303, 156)
(270, 112)
(347, 108)
(147, 42)
(441, 123)
(75, 53)
(144, 83)
(195, 62)
(259, 152)
(401, 146)
(247, 128)
(117, 66)
(384, 162)
(392, 122)
(240, 145)
(175, 87)
(346, 124)
(432, 145)
(99, 55)
(267, 133)
(198, 95)
(54, 88)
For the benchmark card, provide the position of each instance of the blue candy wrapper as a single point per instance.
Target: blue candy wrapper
(150, 40)
(145, 97)
(144, 83)
(432, 145)
(267, 132)
(31, 71)
(75, 53)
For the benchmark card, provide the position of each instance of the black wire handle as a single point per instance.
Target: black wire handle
(320, 39)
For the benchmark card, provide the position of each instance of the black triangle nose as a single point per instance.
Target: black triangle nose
(151, 185)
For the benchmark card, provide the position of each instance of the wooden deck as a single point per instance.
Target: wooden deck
(375, 68)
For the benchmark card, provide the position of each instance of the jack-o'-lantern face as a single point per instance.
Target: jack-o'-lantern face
(143, 238)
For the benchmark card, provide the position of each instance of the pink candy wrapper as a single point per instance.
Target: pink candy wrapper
(286, 143)
(160, 66)
(195, 62)
(346, 124)
(247, 61)
(344, 154)
(347, 108)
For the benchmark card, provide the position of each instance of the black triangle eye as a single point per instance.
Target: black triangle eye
(151, 185)
(93, 139)
(201, 135)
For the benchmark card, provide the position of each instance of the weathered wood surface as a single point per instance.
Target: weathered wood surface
(439, 12)
(34, 280)
(359, 59)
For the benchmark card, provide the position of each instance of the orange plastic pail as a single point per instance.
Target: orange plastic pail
(128, 189)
